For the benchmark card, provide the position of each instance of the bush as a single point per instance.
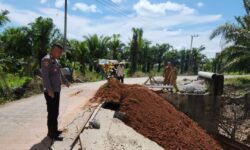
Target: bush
(8, 85)
(241, 81)
(139, 74)
(87, 77)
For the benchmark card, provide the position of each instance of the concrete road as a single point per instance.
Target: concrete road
(23, 122)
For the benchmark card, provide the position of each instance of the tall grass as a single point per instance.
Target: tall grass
(8, 83)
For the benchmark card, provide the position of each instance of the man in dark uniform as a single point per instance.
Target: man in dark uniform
(52, 80)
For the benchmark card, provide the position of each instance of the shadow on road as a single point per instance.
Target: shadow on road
(43, 145)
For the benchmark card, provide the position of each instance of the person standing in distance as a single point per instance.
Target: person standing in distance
(120, 72)
(166, 73)
(52, 81)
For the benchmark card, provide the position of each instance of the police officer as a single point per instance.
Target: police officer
(52, 80)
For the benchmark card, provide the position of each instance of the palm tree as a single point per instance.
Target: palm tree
(103, 47)
(161, 49)
(237, 35)
(173, 57)
(4, 90)
(97, 47)
(184, 60)
(146, 56)
(79, 54)
(43, 33)
(197, 59)
(135, 48)
(3, 17)
(3, 20)
(16, 42)
(116, 46)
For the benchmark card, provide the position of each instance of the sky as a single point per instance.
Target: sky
(163, 21)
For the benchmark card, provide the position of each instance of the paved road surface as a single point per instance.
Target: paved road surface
(23, 122)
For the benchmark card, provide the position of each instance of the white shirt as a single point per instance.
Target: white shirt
(120, 71)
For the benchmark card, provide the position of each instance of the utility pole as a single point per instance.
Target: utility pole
(190, 54)
(65, 25)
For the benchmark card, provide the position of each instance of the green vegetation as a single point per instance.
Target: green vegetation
(236, 55)
(237, 87)
(241, 81)
(15, 81)
(10, 84)
(22, 48)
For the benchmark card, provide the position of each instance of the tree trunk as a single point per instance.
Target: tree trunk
(159, 66)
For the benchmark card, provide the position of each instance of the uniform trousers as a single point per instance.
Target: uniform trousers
(53, 112)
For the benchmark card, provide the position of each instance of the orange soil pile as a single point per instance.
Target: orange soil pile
(153, 117)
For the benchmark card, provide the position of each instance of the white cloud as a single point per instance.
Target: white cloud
(84, 7)
(19, 16)
(200, 4)
(59, 3)
(43, 1)
(117, 1)
(146, 8)
(174, 28)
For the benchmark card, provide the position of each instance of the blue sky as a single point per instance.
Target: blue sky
(163, 21)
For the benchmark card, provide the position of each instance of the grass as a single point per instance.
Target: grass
(236, 87)
(241, 81)
(139, 74)
(16, 81)
(88, 76)
(9, 83)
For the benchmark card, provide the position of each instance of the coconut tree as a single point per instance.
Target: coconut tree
(236, 55)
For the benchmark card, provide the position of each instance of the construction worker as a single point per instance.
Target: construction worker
(52, 80)
(173, 77)
(166, 73)
(120, 72)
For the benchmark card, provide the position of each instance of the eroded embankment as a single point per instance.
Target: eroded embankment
(153, 117)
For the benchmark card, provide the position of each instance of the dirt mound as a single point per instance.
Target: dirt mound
(153, 117)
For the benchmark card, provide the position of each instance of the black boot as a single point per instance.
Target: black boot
(57, 138)
(59, 132)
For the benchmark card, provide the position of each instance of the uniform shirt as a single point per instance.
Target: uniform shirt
(51, 74)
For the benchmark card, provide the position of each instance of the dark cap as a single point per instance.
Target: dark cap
(57, 45)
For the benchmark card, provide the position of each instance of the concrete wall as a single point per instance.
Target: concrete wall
(204, 109)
